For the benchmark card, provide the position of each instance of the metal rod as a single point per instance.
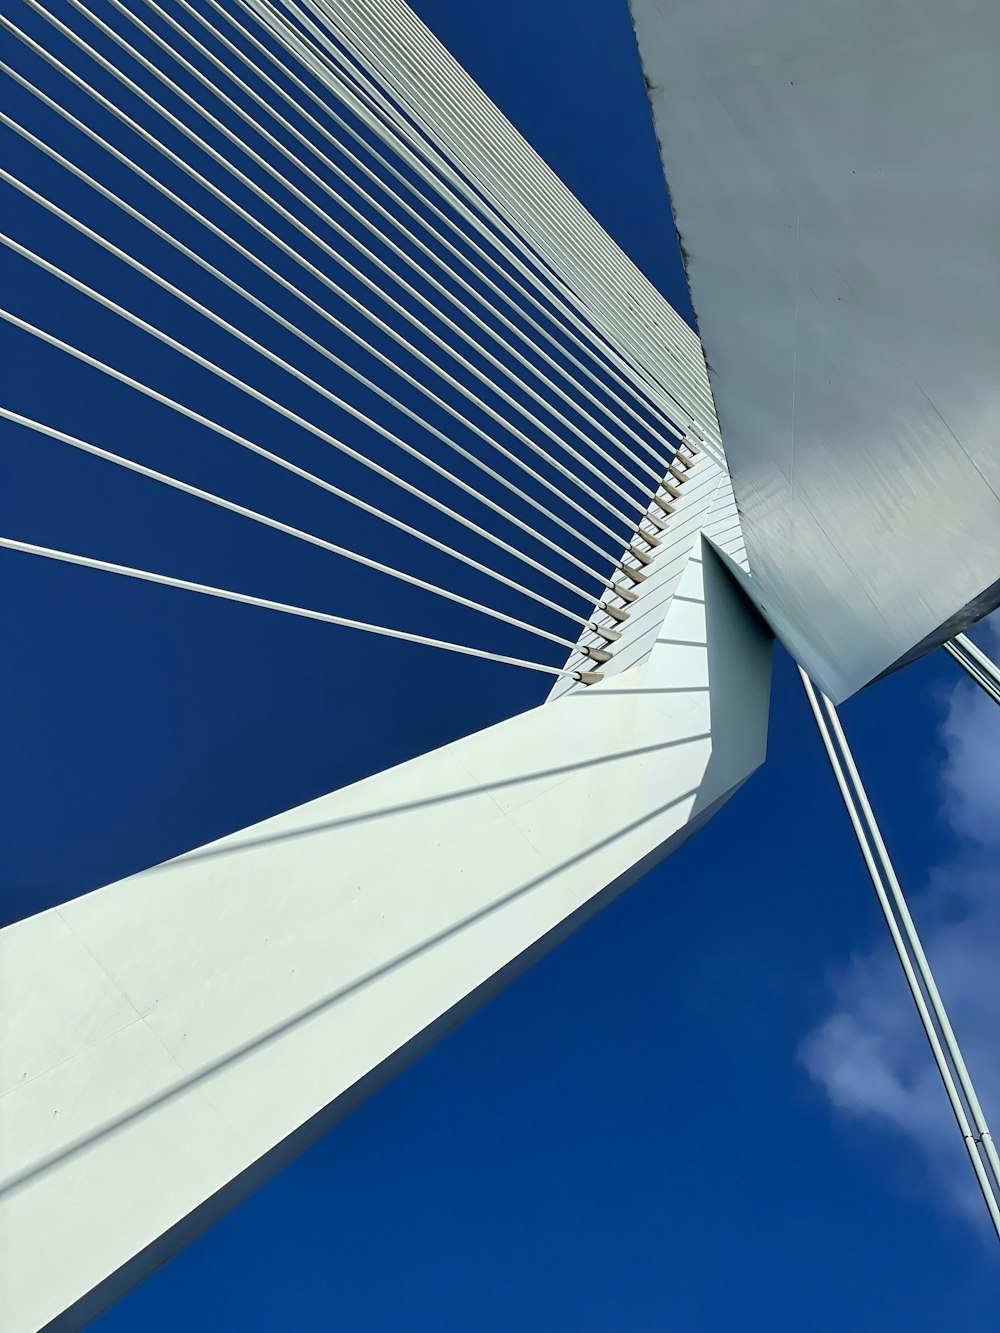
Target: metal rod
(920, 958)
(272, 202)
(919, 978)
(973, 660)
(227, 594)
(291, 369)
(318, 309)
(385, 188)
(377, 230)
(175, 483)
(450, 186)
(428, 91)
(286, 412)
(224, 432)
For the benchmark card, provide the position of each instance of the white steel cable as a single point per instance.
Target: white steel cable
(300, 226)
(976, 664)
(320, 310)
(327, 75)
(880, 870)
(222, 277)
(413, 104)
(385, 213)
(316, 272)
(147, 576)
(41, 428)
(391, 124)
(484, 140)
(557, 289)
(376, 231)
(290, 251)
(439, 176)
(359, 217)
(373, 85)
(372, 59)
(431, 93)
(220, 322)
(445, 85)
(190, 354)
(394, 21)
(923, 967)
(381, 184)
(251, 446)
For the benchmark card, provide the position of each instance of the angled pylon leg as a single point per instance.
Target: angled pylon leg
(174, 1038)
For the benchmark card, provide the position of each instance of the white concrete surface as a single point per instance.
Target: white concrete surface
(172, 1039)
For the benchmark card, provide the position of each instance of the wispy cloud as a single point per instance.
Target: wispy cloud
(869, 1055)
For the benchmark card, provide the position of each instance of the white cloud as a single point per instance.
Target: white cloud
(870, 1055)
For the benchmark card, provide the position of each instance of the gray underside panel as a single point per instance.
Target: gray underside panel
(833, 168)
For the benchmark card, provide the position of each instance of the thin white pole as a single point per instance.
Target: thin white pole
(227, 594)
(974, 661)
(382, 325)
(431, 133)
(251, 446)
(85, 446)
(286, 412)
(916, 948)
(441, 179)
(271, 202)
(345, 405)
(457, 254)
(916, 969)
(328, 316)
(450, 110)
(376, 230)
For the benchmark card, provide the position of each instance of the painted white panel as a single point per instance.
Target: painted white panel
(833, 172)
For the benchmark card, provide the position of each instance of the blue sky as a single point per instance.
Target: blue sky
(710, 1109)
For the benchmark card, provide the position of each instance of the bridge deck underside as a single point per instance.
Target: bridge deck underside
(833, 176)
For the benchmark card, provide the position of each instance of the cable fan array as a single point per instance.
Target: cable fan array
(300, 232)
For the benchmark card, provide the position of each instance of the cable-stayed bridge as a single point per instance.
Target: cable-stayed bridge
(269, 260)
